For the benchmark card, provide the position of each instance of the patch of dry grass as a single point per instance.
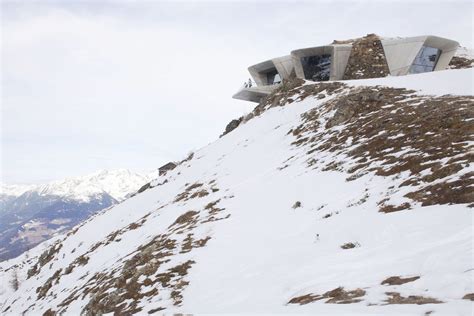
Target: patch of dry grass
(469, 296)
(396, 298)
(396, 280)
(336, 296)
(434, 132)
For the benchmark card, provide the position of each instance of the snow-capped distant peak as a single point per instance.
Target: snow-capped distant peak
(15, 189)
(117, 183)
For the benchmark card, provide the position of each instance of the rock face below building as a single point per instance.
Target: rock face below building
(232, 125)
(367, 59)
(165, 168)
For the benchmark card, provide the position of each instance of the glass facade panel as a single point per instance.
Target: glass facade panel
(425, 61)
(277, 78)
(273, 77)
(317, 68)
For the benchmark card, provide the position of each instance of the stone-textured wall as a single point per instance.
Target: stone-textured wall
(367, 59)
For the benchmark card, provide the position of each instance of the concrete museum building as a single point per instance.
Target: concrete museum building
(362, 58)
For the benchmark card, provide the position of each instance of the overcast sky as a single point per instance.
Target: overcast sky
(90, 85)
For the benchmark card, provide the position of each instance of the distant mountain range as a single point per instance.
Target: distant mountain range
(30, 214)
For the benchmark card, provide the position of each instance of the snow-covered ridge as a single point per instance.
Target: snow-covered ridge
(455, 82)
(15, 189)
(118, 183)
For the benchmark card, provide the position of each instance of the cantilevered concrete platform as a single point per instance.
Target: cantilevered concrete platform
(254, 94)
(367, 57)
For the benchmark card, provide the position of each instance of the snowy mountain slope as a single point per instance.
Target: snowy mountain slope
(34, 213)
(329, 198)
(455, 82)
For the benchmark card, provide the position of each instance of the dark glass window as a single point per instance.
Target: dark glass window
(273, 77)
(317, 68)
(425, 61)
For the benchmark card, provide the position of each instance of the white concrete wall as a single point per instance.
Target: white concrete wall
(341, 58)
(401, 52)
(284, 66)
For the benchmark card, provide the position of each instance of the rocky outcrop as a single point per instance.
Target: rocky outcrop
(232, 125)
(167, 167)
(459, 62)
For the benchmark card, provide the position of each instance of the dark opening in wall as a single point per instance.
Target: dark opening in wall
(425, 60)
(273, 77)
(317, 68)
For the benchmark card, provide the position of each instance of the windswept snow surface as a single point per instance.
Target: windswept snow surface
(454, 82)
(262, 252)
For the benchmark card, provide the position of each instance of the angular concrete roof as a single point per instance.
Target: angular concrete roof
(283, 65)
(401, 52)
